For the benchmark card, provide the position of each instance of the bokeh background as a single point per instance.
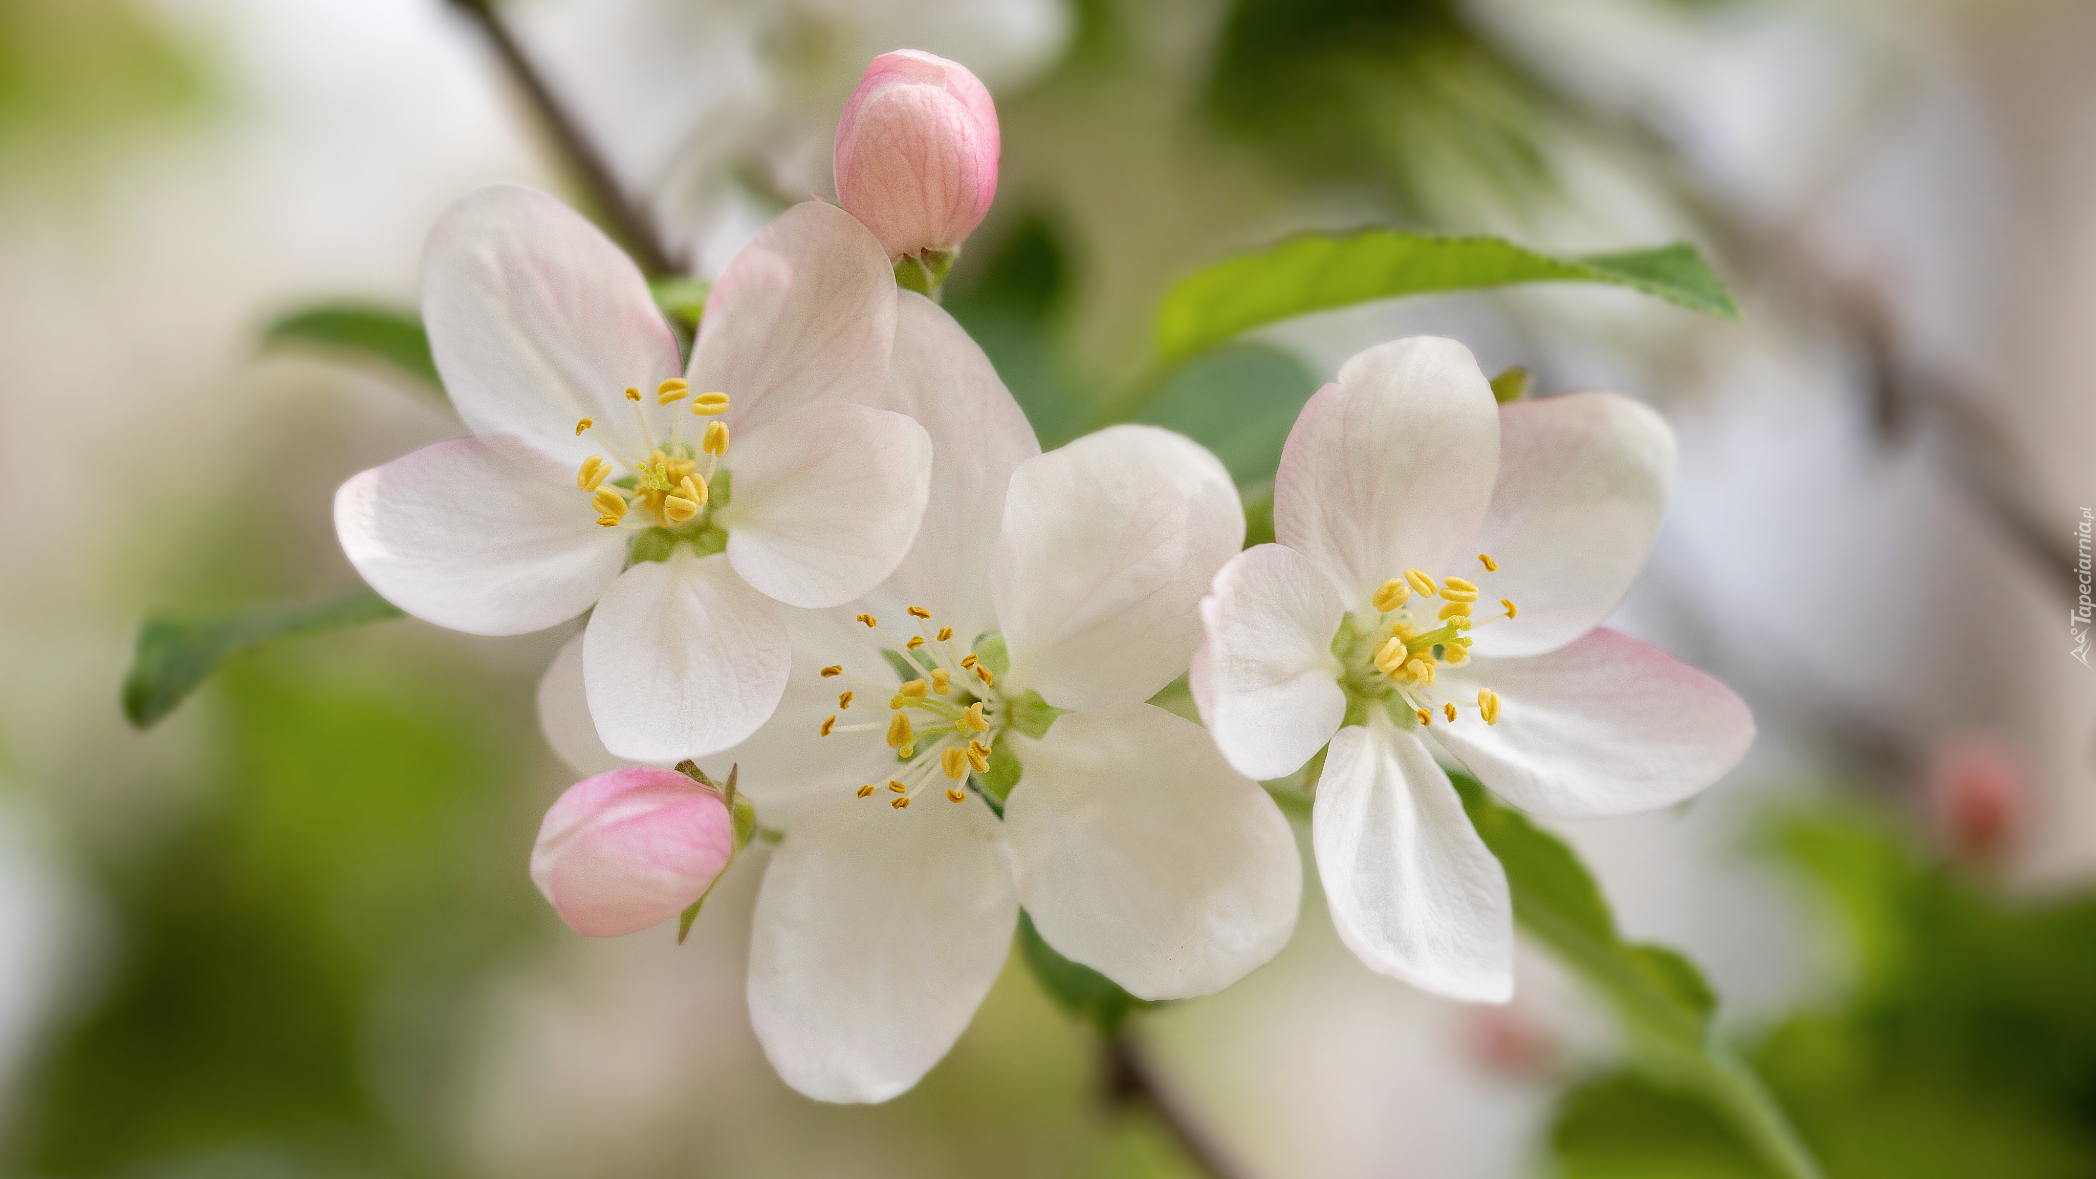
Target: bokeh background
(288, 931)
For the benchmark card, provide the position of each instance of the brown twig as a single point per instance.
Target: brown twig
(628, 223)
(1130, 1083)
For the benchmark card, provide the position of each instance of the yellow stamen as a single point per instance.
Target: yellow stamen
(907, 752)
(691, 488)
(942, 680)
(1421, 582)
(896, 786)
(973, 718)
(956, 796)
(901, 804)
(610, 505)
(829, 724)
(869, 620)
(981, 761)
(1422, 670)
(673, 389)
(632, 394)
(945, 633)
(976, 746)
(1391, 595)
(954, 763)
(1455, 654)
(844, 698)
(716, 440)
(1426, 719)
(676, 509)
(1455, 610)
(866, 790)
(593, 471)
(1488, 704)
(915, 642)
(1391, 655)
(983, 673)
(1449, 710)
(1455, 589)
(582, 425)
(968, 660)
(919, 612)
(1491, 566)
(708, 404)
(832, 671)
(899, 733)
(1509, 604)
(914, 689)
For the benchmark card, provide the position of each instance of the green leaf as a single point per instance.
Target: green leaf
(1319, 271)
(389, 335)
(1660, 997)
(1083, 992)
(1239, 401)
(683, 300)
(174, 655)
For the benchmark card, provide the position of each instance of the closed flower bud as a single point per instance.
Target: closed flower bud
(624, 850)
(916, 153)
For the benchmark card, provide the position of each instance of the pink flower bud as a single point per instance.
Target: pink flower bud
(1979, 788)
(917, 152)
(624, 850)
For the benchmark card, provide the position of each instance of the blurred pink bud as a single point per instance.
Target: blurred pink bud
(1979, 788)
(1507, 1041)
(916, 152)
(624, 850)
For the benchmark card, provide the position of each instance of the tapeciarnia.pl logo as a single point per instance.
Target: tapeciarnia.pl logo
(2078, 618)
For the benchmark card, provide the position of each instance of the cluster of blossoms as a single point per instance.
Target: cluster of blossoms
(829, 552)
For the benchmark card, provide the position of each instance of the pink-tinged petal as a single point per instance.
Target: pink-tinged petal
(1390, 467)
(916, 152)
(564, 715)
(1582, 484)
(1413, 891)
(826, 501)
(624, 850)
(537, 320)
(877, 934)
(804, 314)
(1607, 725)
(1141, 854)
(1108, 545)
(458, 535)
(1268, 683)
(682, 659)
(979, 437)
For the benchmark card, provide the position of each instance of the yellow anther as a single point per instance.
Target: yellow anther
(956, 795)
(869, 620)
(844, 698)
(1455, 654)
(976, 746)
(901, 804)
(1455, 589)
(945, 633)
(968, 660)
(983, 673)
(610, 505)
(1391, 655)
(1421, 582)
(708, 404)
(673, 389)
(582, 425)
(954, 763)
(915, 642)
(919, 612)
(593, 471)
(1390, 595)
(914, 689)
(1449, 711)
(866, 790)
(691, 488)
(1455, 610)
(896, 786)
(632, 394)
(716, 440)
(833, 671)
(980, 761)
(1491, 566)
(899, 732)
(1425, 718)
(1488, 704)
(1422, 670)
(942, 680)
(973, 718)
(829, 724)
(676, 509)
(1509, 604)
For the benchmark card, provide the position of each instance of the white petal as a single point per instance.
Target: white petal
(682, 659)
(536, 320)
(1413, 890)
(1582, 484)
(1107, 547)
(1391, 466)
(1142, 854)
(826, 501)
(1267, 683)
(804, 314)
(1608, 725)
(458, 535)
(789, 758)
(979, 437)
(564, 715)
(878, 932)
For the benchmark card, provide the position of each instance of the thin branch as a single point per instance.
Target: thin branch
(628, 223)
(1129, 1082)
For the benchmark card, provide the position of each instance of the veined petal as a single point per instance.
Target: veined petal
(564, 715)
(1606, 725)
(979, 437)
(1391, 466)
(789, 758)
(1413, 890)
(1267, 684)
(1142, 854)
(804, 314)
(458, 535)
(1582, 484)
(682, 659)
(878, 932)
(1108, 545)
(537, 320)
(827, 500)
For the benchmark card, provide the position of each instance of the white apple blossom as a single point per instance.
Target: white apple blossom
(598, 475)
(1047, 598)
(1442, 569)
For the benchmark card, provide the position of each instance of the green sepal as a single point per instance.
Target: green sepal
(925, 273)
(1511, 385)
(1078, 989)
(655, 544)
(991, 653)
(1030, 714)
(1003, 774)
(742, 814)
(709, 540)
(720, 490)
(174, 655)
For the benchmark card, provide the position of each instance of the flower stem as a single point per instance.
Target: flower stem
(1129, 1081)
(628, 224)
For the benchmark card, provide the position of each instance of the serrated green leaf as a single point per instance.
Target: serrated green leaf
(1078, 989)
(1320, 271)
(174, 655)
(389, 335)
